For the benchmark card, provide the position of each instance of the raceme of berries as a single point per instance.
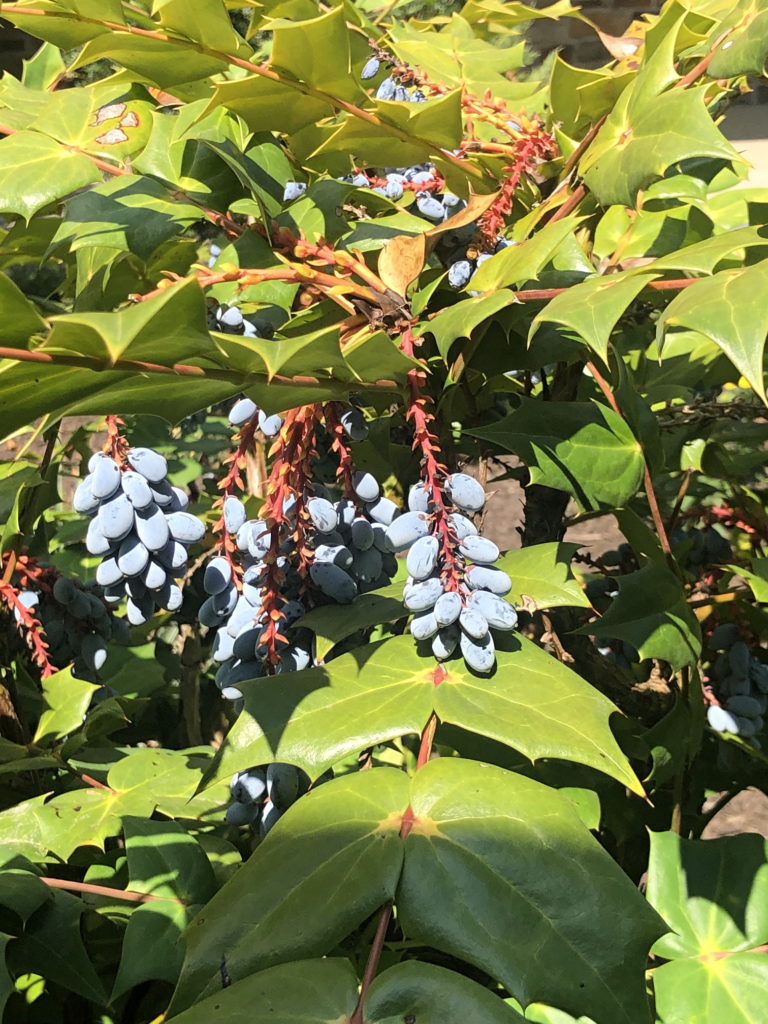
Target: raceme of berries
(259, 586)
(261, 796)
(63, 621)
(738, 687)
(139, 526)
(453, 588)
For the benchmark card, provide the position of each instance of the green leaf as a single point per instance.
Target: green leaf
(51, 946)
(164, 63)
(322, 991)
(43, 68)
(7, 986)
(538, 706)
(20, 833)
(485, 838)
(593, 308)
(459, 321)
(20, 318)
(165, 860)
(256, 99)
(385, 689)
(204, 21)
(433, 995)
(746, 50)
(174, 319)
(582, 448)
(152, 949)
(56, 172)
(524, 261)
(129, 212)
(712, 893)
(103, 119)
(317, 52)
(65, 701)
(651, 613)
(22, 892)
(541, 576)
(331, 624)
(727, 309)
(757, 578)
(327, 864)
(732, 989)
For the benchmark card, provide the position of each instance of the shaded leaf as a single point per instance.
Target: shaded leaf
(321, 991)
(652, 615)
(523, 262)
(485, 838)
(330, 623)
(65, 701)
(582, 448)
(327, 864)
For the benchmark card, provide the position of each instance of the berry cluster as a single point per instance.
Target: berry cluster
(453, 588)
(738, 686)
(262, 795)
(139, 526)
(63, 621)
(314, 550)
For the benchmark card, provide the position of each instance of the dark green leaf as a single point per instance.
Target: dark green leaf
(664, 627)
(485, 838)
(582, 448)
(541, 576)
(327, 864)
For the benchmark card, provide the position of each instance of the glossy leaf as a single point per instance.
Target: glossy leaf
(331, 624)
(665, 628)
(560, 445)
(53, 172)
(65, 701)
(747, 49)
(542, 578)
(537, 705)
(152, 949)
(318, 716)
(712, 893)
(523, 262)
(341, 837)
(592, 309)
(20, 318)
(726, 308)
(485, 838)
(51, 945)
(731, 989)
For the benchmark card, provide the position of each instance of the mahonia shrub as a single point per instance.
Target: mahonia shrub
(301, 717)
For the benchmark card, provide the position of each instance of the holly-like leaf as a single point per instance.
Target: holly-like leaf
(341, 838)
(385, 689)
(664, 628)
(36, 171)
(523, 262)
(712, 893)
(757, 577)
(331, 623)
(486, 838)
(731, 989)
(593, 308)
(582, 448)
(20, 318)
(317, 52)
(52, 946)
(152, 948)
(65, 701)
(536, 705)
(746, 51)
(165, 860)
(130, 212)
(541, 576)
(727, 309)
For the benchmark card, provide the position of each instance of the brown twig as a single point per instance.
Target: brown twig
(128, 895)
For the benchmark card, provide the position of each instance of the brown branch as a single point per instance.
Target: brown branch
(183, 370)
(128, 895)
(372, 964)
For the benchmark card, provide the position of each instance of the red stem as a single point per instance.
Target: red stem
(374, 956)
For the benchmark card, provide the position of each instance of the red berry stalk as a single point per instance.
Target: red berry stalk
(115, 445)
(233, 485)
(340, 448)
(290, 479)
(30, 627)
(433, 470)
